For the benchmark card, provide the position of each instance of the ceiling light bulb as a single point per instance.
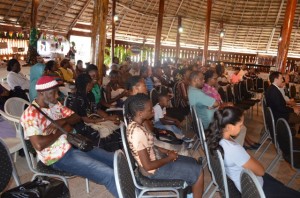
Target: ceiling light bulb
(180, 29)
(116, 18)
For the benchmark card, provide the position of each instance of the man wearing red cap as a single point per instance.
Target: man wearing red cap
(51, 144)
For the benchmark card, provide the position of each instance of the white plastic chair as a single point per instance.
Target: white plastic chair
(14, 144)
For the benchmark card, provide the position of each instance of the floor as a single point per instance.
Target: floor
(282, 171)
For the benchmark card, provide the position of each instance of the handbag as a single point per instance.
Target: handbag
(41, 187)
(76, 140)
(167, 136)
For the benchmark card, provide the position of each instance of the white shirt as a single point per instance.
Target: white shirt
(134, 72)
(159, 112)
(17, 79)
(235, 156)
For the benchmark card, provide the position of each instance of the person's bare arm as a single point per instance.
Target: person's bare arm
(40, 142)
(150, 165)
(184, 92)
(108, 95)
(255, 166)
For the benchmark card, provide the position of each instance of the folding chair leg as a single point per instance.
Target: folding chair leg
(87, 185)
(15, 156)
(207, 188)
(213, 193)
(273, 163)
(260, 156)
(293, 178)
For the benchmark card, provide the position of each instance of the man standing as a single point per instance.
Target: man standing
(277, 103)
(51, 144)
(36, 71)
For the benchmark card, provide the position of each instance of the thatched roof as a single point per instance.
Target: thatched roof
(252, 25)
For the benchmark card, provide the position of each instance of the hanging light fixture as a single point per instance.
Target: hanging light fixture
(180, 29)
(222, 33)
(116, 18)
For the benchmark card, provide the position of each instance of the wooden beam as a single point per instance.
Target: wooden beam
(175, 17)
(80, 13)
(158, 31)
(99, 33)
(113, 30)
(49, 13)
(64, 13)
(9, 10)
(274, 28)
(220, 41)
(206, 38)
(28, 4)
(34, 7)
(283, 46)
(178, 39)
(82, 26)
(79, 33)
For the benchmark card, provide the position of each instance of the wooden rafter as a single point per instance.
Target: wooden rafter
(142, 30)
(64, 13)
(181, 2)
(274, 28)
(9, 10)
(28, 4)
(79, 15)
(261, 31)
(49, 13)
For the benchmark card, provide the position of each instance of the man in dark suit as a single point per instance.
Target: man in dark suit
(277, 103)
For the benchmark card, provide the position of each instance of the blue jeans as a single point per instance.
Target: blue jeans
(96, 165)
(184, 168)
(173, 128)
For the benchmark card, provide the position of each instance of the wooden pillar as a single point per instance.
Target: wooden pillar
(35, 5)
(220, 41)
(178, 40)
(113, 30)
(207, 26)
(99, 33)
(283, 46)
(158, 31)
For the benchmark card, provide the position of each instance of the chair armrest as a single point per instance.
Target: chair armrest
(114, 109)
(10, 118)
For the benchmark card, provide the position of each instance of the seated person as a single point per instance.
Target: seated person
(66, 71)
(79, 68)
(170, 167)
(51, 69)
(162, 121)
(226, 124)
(36, 71)
(97, 89)
(146, 73)
(235, 78)
(83, 104)
(251, 74)
(14, 77)
(180, 95)
(115, 94)
(51, 144)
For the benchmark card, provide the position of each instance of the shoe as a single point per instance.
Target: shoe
(187, 140)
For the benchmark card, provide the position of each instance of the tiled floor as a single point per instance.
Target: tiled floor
(282, 171)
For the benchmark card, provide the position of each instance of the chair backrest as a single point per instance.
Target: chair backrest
(29, 151)
(270, 124)
(15, 106)
(250, 185)
(249, 84)
(230, 96)
(236, 92)
(293, 91)
(218, 172)
(154, 96)
(124, 116)
(130, 158)
(123, 179)
(285, 141)
(6, 166)
(195, 124)
(222, 94)
(259, 83)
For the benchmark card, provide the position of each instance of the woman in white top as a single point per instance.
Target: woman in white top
(14, 77)
(226, 124)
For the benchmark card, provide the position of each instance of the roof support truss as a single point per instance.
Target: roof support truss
(79, 15)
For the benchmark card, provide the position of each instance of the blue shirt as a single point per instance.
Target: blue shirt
(202, 102)
(36, 71)
(149, 83)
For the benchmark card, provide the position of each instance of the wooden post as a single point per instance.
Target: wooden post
(158, 31)
(113, 31)
(220, 41)
(178, 39)
(99, 33)
(283, 46)
(35, 5)
(207, 26)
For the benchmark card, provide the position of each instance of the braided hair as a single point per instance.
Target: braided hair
(214, 133)
(135, 103)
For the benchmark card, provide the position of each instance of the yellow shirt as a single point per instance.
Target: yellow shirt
(66, 74)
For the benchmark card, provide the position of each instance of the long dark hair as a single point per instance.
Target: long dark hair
(214, 133)
(81, 83)
(135, 103)
(49, 65)
(11, 63)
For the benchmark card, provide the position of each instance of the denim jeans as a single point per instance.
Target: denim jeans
(173, 128)
(184, 168)
(96, 165)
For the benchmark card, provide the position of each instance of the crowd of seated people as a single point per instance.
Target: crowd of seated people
(129, 85)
